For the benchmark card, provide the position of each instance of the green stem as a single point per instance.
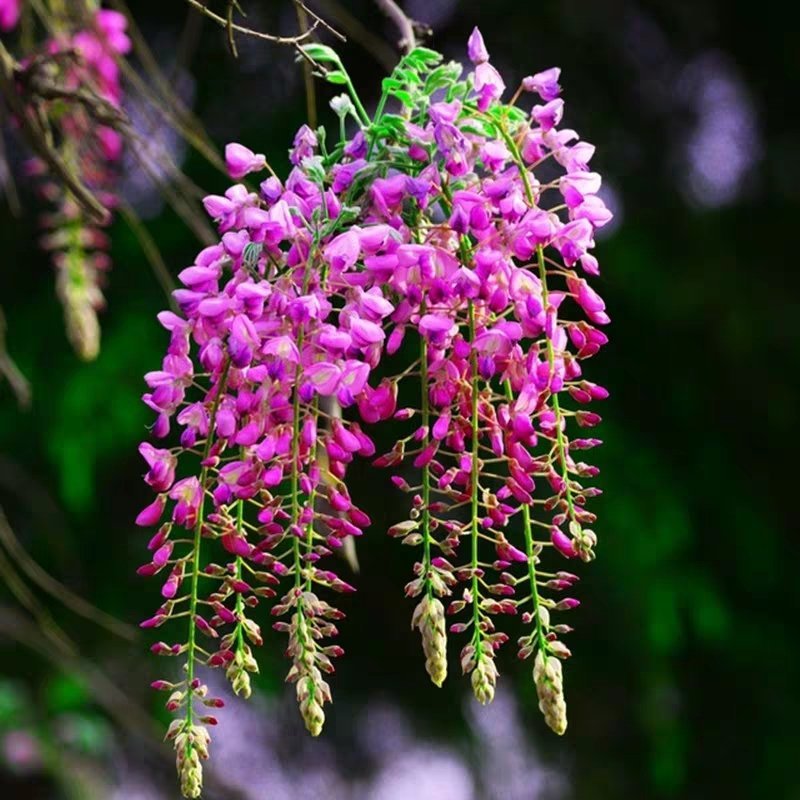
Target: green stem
(198, 528)
(239, 598)
(375, 121)
(295, 480)
(362, 112)
(311, 501)
(426, 488)
(526, 526)
(551, 358)
(474, 531)
(560, 444)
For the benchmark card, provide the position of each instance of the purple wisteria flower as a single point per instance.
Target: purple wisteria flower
(433, 234)
(9, 14)
(93, 152)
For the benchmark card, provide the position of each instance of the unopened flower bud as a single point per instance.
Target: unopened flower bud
(484, 679)
(313, 716)
(190, 770)
(429, 618)
(547, 675)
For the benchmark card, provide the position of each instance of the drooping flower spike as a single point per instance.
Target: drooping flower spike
(85, 59)
(459, 231)
(9, 14)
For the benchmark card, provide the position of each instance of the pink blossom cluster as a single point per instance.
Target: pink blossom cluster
(446, 251)
(496, 290)
(9, 14)
(87, 61)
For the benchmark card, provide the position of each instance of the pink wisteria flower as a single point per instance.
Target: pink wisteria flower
(454, 238)
(93, 152)
(9, 14)
(241, 161)
(544, 83)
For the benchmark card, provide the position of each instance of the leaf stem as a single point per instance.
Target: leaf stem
(198, 529)
(560, 443)
(532, 578)
(551, 358)
(426, 488)
(311, 500)
(474, 504)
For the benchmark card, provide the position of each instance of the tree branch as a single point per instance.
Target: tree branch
(358, 32)
(10, 371)
(38, 139)
(408, 40)
(231, 26)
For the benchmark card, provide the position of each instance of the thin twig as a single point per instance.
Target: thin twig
(38, 139)
(169, 105)
(57, 589)
(151, 252)
(10, 371)
(231, 34)
(358, 32)
(7, 176)
(25, 597)
(308, 69)
(340, 36)
(13, 626)
(408, 41)
(269, 37)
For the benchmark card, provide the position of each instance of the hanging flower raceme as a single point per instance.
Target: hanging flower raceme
(459, 233)
(86, 62)
(502, 211)
(9, 14)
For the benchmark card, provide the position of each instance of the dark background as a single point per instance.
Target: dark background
(684, 680)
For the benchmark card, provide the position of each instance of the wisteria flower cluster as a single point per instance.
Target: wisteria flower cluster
(9, 14)
(441, 253)
(87, 64)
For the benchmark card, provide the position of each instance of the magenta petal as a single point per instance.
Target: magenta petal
(240, 160)
(563, 543)
(151, 514)
(476, 49)
(354, 376)
(508, 552)
(324, 377)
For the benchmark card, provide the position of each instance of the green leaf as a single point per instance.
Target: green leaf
(481, 127)
(404, 97)
(422, 56)
(392, 124)
(409, 76)
(321, 53)
(314, 167)
(391, 84)
(441, 77)
(336, 76)
(459, 90)
(516, 114)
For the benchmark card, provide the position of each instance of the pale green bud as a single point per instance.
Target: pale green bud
(548, 677)
(191, 775)
(313, 716)
(429, 618)
(484, 680)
